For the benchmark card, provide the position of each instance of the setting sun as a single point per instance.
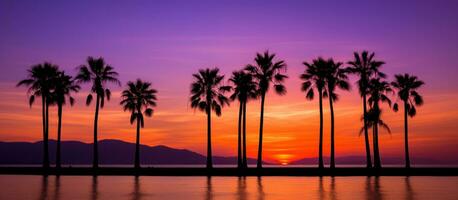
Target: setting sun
(283, 159)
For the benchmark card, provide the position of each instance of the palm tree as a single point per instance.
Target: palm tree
(39, 83)
(267, 72)
(378, 90)
(373, 117)
(407, 86)
(365, 67)
(314, 78)
(138, 98)
(98, 73)
(207, 95)
(336, 77)
(64, 85)
(244, 89)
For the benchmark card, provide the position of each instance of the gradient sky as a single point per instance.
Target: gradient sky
(164, 42)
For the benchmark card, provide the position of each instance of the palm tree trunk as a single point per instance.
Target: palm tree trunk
(95, 156)
(331, 107)
(46, 142)
(239, 138)
(374, 145)
(209, 139)
(245, 162)
(320, 149)
(137, 145)
(261, 124)
(377, 160)
(366, 134)
(59, 132)
(45, 146)
(406, 136)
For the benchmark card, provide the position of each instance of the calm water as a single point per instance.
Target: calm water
(149, 187)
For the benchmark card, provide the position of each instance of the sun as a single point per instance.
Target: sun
(283, 159)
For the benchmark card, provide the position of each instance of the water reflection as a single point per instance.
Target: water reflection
(373, 188)
(57, 188)
(410, 195)
(209, 191)
(241, 188)
(94, 188)
(261, 193)
(332, 192)
(137, 194)
(44, 188)
(368, 187)
(377, 188)
(321, 191)
(327, 191)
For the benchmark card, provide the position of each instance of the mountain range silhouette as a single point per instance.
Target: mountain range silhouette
(117, 152)
(111, 152)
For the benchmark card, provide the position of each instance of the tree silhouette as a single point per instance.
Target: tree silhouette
(336, 77)
(407, 86)
(267, 72)
(64, 85)
(314, 78)
(98, 73)
(244, 89)
(207, 95)
(378, 90)
(39, 83)
(365, 67)
(373, 117)
(138, 98)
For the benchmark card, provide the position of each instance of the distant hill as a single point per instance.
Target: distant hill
(361, 160)
(117, 152)
(111, 152)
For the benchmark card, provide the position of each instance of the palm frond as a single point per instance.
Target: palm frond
(89, 99)
(208, 92)
(31, 100)
(133, 117)
(139, 96)
(395, 107)
(98, 73)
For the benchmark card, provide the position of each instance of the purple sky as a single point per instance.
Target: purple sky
(157, 39)
(166, 41)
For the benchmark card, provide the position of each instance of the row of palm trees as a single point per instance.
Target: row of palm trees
(322, 76)
(208, 94)
(55, 87)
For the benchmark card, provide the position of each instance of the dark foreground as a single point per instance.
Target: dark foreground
(279, 171)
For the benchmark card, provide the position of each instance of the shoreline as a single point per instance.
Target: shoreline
(283, 171)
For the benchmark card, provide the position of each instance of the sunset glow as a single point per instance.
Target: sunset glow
(138, 43)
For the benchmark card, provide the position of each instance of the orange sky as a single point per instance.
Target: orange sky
(291, 125)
